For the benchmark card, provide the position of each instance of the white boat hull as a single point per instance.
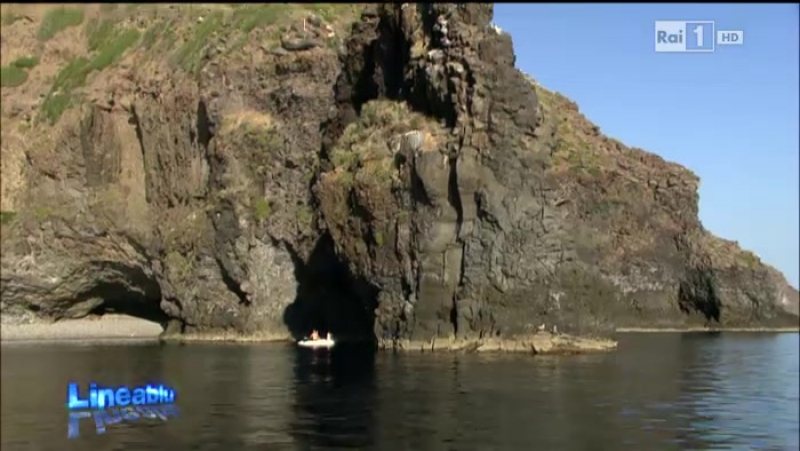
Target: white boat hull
(316, 343)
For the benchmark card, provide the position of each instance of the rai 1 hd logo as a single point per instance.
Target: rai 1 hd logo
(693, 36)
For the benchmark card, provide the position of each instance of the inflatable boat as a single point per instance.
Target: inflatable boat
(321, 343)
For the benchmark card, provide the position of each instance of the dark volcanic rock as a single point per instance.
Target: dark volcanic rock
(480, 233)
(412, 185)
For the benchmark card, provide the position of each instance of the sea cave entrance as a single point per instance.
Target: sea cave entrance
(126, 295)
(330, 298)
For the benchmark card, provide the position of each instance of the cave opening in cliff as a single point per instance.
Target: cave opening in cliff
(127, 291)
(697, 294)
(330, 298)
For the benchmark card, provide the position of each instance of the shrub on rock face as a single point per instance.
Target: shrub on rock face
(383, 128)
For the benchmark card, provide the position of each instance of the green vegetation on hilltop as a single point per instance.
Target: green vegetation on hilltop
(57, 20)
(748, 259)
(241, 18)
(10, 18)
(99, 31)
(223, 27)
(190, 55)
(160, 36)
(15, 74)
(249, 17)
(26, 62)
(113, 49)
(109, 43)
(12, 76)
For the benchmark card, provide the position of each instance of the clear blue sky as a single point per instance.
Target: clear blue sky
(732, 116)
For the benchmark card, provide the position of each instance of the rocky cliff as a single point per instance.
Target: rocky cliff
(382, 172)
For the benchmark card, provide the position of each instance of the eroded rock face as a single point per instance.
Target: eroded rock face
(481, 234)
(479, 226)
(414, 186)
(185, 202)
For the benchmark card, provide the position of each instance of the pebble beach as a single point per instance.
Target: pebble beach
(91, 328)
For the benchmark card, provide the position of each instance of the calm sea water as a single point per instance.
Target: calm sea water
(658, 391)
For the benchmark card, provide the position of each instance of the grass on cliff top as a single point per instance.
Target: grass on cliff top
(249, 17)
(573, 150)
(241, 19)
(725, 253)
(160, 36)
(10, 18)
(26, 62)
(57, 20)
(15, 74)
(108, 43)
(244, 19)
(234, 22)
(12, 76)
(199, 25)
(190, 55)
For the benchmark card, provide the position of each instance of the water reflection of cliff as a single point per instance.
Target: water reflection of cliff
(513, 402)
(334, 398)
(661, 391)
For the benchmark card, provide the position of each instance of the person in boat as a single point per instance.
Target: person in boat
(329, 336)
(315, 335)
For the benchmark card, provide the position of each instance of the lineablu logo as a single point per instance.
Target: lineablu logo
(693, 36)
(109, 406)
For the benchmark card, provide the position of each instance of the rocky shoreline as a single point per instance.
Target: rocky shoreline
(120, 327)
(116, 328)
(540, 343)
